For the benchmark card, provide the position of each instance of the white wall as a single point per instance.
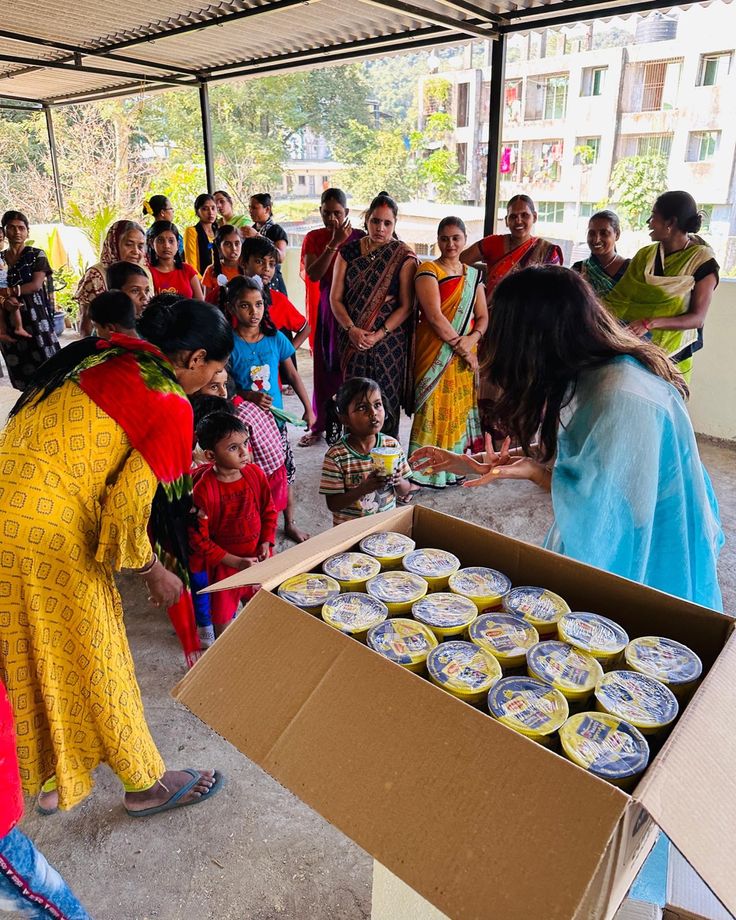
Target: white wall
(713, 388)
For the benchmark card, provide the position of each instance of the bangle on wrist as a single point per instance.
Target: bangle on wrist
(349, 327)
(647, 324)
(386, 330)
(147, 569)
(330, 248)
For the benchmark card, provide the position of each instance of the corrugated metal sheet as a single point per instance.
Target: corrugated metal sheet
(137, 45)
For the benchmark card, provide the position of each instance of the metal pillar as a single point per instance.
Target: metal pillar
(209, 157)
(54, 162)
(495, 128)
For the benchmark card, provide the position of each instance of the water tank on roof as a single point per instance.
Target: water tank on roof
(656, 28)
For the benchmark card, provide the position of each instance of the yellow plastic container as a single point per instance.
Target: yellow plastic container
(309, 591)
(670, 662)
(528, 706)
(388, 547)
(540, 607)
(399, 591)
(597, 635)
(385, 459)
(605, 746)
(485, 587)
(643, 701)
(464, 670)
(354, 613)
(434, 565)
(446, 614)
(507, 637)
(403, 641)
(574, 673)
(351, 570)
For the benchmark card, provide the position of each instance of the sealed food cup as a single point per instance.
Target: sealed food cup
(573, 672)
(385, 460)
(507, 637)
(529, 706)
(446, 614)
(673, 663)
(485, 587)
(388, 547)
(399, 591)
(435, 565)
(403, 641)
(463, 669)
(643, 701)
(354, 613)
(597, 635)
(351, 570)
(605, 746)
(309, 591)
(540, 607)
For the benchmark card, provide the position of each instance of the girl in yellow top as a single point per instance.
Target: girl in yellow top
(199, 240)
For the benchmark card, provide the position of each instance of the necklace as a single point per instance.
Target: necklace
(252, 347)
(370, 250)
(457, 268)
(610, 262)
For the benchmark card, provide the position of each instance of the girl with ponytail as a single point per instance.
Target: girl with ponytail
(225, 265)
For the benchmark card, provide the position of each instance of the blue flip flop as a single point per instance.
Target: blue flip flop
(176, 799)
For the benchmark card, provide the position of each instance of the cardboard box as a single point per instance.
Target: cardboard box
(687, 897)
(476, 818)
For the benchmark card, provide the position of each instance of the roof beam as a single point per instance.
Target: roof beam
(93, 52)
(75, 67)
(472, 9)
(541, 19)
(437, 19)
(370, 45)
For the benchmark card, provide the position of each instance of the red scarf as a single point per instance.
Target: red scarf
(134, 383)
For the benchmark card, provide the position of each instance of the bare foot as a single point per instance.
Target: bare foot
(21, 333)
(7, 338)
(48, 802)
(168, 785)
(292, 532)
(311, 437)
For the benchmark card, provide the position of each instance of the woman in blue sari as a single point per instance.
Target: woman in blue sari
(601, 419)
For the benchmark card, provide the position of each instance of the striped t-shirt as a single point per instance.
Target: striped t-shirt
(344, 468)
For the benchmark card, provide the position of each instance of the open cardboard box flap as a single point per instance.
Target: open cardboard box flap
(462, 809)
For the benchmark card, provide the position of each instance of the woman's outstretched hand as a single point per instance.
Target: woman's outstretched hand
(521, 468)
(435, 459)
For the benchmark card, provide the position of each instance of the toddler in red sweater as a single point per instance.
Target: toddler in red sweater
(236, 522)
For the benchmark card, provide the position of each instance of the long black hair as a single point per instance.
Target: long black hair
(337, 407)
(546, 327)
(682, 208)
(237, 287)
(156, 229)
(222, 232)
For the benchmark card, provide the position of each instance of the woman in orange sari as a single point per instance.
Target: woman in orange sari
(504, 253)
(453, 320)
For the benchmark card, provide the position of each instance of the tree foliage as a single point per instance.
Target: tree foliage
(635, 183)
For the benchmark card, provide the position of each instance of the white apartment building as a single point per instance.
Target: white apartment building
(572, 110)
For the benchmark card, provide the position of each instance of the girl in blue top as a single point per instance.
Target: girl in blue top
(260, 354)
(601, 419)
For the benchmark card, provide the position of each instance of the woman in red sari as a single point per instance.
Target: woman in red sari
(318, 261)
(504, 253)
(372, 299)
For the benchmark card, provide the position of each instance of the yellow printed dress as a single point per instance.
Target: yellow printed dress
(75, 499)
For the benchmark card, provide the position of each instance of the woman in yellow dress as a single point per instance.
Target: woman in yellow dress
(100, 443)
(453, 320)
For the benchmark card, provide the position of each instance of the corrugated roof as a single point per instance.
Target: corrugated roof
(90, 49)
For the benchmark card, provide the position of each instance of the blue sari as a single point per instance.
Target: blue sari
(629, 492)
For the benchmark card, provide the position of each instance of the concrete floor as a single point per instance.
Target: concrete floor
(255, 852)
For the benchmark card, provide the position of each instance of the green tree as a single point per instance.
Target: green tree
(635, 183)
(386, 166)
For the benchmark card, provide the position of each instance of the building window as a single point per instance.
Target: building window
(644, 145)
(702, 145)
(541, 161)
(461, 152)
(509, 166)
(512, 102)
(587, 208)
(707, 211)
(652, 86)
(301, 180)
(587, 150)
(551, 212)
(463, 94)
(424, 249)
(546, 97)
(312, 185)
(714, 68)
(594, 79)
(325, 181)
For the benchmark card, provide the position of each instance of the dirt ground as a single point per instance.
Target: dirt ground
(255, 852)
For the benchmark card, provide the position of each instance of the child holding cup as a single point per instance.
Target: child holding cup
(365, 471)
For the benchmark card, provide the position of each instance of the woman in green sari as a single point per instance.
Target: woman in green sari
(668, 287)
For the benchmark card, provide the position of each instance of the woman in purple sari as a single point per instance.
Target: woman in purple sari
(318, 255)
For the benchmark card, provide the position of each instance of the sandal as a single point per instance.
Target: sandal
(310, 438)
(176, 799)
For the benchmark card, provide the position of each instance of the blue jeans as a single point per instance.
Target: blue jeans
(30, 886)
